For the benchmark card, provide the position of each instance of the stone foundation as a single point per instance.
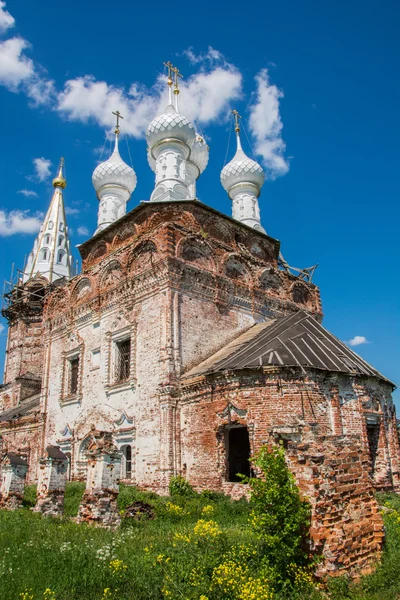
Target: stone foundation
(99, 508)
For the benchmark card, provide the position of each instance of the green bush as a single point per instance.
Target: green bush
(280, 518)
(73, 496)
(29, 499)
(179, 486)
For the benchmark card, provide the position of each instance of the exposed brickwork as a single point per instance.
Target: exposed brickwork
(347, 527)
(99, 502)
(13, 475)
(180, 281)
(51, 483)
(331, 462)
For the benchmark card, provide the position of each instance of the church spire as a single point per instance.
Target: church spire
(51, 255)
(243, 179)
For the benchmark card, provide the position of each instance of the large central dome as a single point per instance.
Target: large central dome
(170, 124)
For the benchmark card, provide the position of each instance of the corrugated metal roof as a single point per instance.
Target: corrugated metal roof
(297, 340)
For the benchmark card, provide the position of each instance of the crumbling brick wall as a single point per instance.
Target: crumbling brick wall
(347, 527)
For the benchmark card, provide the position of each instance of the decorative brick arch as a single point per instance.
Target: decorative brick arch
(82, 289)
(111, 274)
(269, 280)
(143, 257)
(197, 251)
(217, 230)
(235, 269)
(300, 293)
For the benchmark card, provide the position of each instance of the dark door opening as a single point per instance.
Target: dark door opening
(373, 441)
(238, 453)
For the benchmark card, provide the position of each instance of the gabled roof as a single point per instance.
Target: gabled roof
(25, 408)
(296, 340)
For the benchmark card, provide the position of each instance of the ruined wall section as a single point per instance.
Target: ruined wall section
(282, 403)
(346, 525)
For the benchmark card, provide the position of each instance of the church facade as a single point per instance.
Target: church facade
(185, 338)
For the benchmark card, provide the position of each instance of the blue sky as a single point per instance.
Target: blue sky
(317, 84)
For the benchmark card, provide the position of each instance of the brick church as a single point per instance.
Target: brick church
(190, 340)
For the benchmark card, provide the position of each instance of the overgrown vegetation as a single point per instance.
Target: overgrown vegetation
(197, 547)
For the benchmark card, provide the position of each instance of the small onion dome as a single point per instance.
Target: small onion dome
(171, 124)
(60, 180)
(241, 169)
(114, 171)
(199, 153)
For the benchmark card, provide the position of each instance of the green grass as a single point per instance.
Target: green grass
(74, 560)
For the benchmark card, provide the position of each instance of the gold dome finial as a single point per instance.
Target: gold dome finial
(60, 180)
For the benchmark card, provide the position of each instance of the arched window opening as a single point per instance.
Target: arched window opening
(373, 430)
(237, 448)
(44, 254)
(61, 227)
(60, 240)
(61, 257)
(126, 462)
(47, 239)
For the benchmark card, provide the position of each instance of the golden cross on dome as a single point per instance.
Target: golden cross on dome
(170, 68)
(119, 116)
(237, 117)
(177, 74)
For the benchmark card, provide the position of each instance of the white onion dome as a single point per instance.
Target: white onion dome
(242, 169)
(114, 171)
(171, 124)
(199, 153)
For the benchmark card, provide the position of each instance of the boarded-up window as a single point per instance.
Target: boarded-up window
(122, 360)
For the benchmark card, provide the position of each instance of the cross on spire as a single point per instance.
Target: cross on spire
(236, 117)
(170, 68)
(177, 74)
(119, 116)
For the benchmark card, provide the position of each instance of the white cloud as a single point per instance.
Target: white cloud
(205, 96)
(357, 340)
(18, 221)
(2, 328)
(27, 193)
(15, 67)
(266, 125)
(212, 55)
(83, 231)
(6, 20)
(71, 211)
(42, 167)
